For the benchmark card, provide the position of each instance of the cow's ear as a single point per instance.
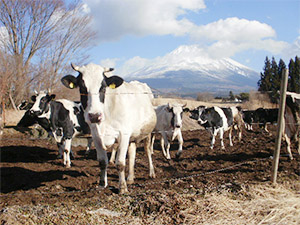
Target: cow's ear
(69, 81)
(186, 110)
(33, 98)
(52, 97)
(114, 81)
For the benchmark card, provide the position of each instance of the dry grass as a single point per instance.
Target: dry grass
(255, 204)
(261, 204)
(12, 117)
(258, 100)
(191, 104)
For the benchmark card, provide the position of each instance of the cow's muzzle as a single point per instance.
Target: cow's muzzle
(95, 117)
(200, 121)
(35, 113)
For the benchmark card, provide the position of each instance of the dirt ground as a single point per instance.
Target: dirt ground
(32, 174)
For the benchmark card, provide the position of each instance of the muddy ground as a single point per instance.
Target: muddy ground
(32, 174)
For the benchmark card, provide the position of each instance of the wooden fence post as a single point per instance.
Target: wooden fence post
(280, 121)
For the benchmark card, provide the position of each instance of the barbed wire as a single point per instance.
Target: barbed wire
(173, 179)
(153, 132)
(168, 180)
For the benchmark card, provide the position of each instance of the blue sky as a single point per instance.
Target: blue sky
(136, 33)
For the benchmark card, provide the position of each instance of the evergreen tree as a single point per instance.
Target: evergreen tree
(274, 80)
(281, 67)
(292, 81)
(231, 95)
(264, 84)
(277, 81)
(297, 74)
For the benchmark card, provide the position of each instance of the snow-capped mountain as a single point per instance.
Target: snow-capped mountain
(188, 69)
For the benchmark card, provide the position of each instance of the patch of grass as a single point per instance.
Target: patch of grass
(252, 204)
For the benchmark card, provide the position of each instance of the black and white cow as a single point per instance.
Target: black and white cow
(169, 124)
(116, 111)
(292, 121)
(260, 116)
(218, 120)
(248, 117)
(65, 119)
(29, 119)
(264, 116)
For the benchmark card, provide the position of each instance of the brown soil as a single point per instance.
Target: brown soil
(31, 173)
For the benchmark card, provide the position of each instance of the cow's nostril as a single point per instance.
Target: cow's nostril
(95, 117)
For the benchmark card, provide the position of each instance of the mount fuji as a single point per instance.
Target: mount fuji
(188, 69)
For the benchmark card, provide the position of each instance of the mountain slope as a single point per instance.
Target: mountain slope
(187, 70)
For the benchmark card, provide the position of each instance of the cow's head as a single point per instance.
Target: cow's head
(199, 114)
(41, 103)
(176, 110)
(92, 83)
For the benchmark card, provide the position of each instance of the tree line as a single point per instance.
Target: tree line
(270, 77)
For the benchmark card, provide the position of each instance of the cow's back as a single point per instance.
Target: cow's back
(128, 108)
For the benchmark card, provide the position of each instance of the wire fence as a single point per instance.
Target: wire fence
(167, 180)
(134, 186)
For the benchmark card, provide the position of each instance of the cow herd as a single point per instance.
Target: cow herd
(118, 115)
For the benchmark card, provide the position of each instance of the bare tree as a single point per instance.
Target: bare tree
(42, 36)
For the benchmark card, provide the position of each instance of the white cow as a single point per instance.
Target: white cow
(169, 124)
(116, 111)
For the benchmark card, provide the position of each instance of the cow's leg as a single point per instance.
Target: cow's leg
(152, 143)
(266, 128)
(165, 145)
(149, 155)
(121, 163)
(60, 150)
(88, 147)
(221, 138)
(229, 135)
(240, 132)
(131, 161)
(288, 147)
(102, 159)
(113, 156)
(67, 149)
(180, 140)
(213, 133)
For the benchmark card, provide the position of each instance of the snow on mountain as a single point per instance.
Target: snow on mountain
(190, 69)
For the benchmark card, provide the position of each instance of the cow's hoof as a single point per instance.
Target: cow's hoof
(102, 184)
(130, 181)
(68, 166)
(152, 175)
(123, 191)
(178, 155)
